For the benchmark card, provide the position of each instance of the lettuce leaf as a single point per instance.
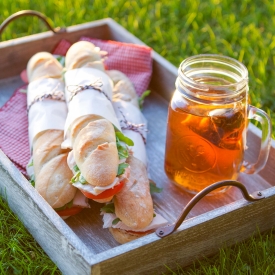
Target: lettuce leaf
(116, 221)
(30, 164)
(154, 188)
(66, 206)
(32, 180)
(141, 99)
(108, 208)
(121, 137)
(121, 168)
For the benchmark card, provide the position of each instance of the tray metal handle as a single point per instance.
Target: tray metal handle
(170, 228)
(31, 13)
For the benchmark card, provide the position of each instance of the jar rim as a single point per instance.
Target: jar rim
(231, 63)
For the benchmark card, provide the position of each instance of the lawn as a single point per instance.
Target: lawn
(244, 30)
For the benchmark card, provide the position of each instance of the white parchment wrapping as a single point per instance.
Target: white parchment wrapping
(158, 221)
(88, 101)
(130, 113)
(46, 114)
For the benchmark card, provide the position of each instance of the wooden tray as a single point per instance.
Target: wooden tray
(79, 245)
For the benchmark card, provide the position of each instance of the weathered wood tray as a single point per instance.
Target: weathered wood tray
(79, 245)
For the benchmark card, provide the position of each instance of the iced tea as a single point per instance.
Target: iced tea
(204, 147)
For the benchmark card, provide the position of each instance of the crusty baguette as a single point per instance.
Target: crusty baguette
(53, 182)
(123, 236)
(43, 65)
(96, 154)
(93, 137)
(83, 54)
(46, 146)
(52, 174)
(108, 199)
(124, 89)
(117, 76)
(80, 123)
(134, 204)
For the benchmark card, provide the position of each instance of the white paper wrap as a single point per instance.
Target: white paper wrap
(157, 222)
(88, 101)
(133, 115)
(48, 113)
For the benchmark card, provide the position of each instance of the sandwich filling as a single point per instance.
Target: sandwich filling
(79, 181)
(79, 201)
(123, 171)
(111, 220)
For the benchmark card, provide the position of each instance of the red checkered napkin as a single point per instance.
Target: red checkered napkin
(14, 130)
(133, 60)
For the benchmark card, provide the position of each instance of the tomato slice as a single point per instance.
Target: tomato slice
(105, 194)
(69, 211)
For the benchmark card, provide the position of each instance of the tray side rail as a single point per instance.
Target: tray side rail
(42, 222)
(195, 239)
(165, 73)
(15, 53)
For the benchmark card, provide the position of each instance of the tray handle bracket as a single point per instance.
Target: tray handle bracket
(23, 13)
(170, 228)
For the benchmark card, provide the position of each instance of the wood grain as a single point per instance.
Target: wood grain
(16, 53)
(196, 238)
(50, 231)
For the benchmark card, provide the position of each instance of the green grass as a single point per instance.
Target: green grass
(255, 256)
(244, 30)
(19, 252)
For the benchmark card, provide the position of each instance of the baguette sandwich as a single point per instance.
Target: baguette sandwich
(131, 214)
(99, 149)
(124, 89)
(47, 112)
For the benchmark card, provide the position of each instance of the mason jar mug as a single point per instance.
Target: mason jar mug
(207, 123)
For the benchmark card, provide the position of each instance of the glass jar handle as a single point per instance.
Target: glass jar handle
(263, 118)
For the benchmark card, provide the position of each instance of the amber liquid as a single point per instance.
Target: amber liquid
(201, 150)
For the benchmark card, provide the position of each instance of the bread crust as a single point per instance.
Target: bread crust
(53, 182)
(46, 146)
(123, 236)
(134, 204)
(93, 137)
(117, 76)
(79, 123)
(80, 54)
(95, 152)
(43, 65)
(52, 174)
(104, 200)
(124, 89)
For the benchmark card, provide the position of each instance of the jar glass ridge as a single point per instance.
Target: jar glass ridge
(225, 77)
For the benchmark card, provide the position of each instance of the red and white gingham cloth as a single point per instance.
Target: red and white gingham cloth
(133, 60)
